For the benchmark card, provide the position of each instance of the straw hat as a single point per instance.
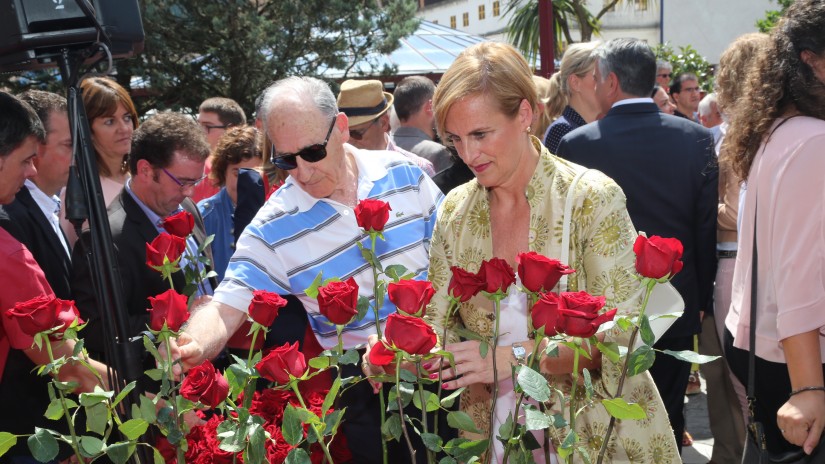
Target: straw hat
(363, 101)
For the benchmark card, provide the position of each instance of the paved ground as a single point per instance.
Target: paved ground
(696, 415)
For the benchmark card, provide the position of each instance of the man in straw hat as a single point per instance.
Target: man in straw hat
(366, 104)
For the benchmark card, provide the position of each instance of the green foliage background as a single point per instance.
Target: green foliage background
(687, 59)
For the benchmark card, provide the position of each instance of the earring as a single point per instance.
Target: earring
(529, 129)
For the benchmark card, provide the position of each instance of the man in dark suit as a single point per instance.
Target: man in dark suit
(32, 217)
(666, 167)
(165, 164)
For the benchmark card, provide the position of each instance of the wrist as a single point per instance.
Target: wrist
(813, 388)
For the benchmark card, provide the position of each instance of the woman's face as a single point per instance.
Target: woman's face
(584, 85)
(492, 144)
(112, 135)
(663, 102)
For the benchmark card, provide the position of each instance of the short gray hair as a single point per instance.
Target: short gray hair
(309, 88)
(706, 105)
(633, 63)
(664, 64)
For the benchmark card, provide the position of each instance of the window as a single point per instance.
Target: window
(452, 22)
(480, 12)
(496, 8)
(465, 19)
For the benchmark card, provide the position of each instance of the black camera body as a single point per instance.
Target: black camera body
(33, 33)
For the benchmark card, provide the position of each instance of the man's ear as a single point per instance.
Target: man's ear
(428, 107)
(144, 168)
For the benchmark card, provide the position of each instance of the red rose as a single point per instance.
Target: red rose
(65, 313)
(164, 246)
(205, 384)
(170, 307)
(380, 355)
(410, 334)
(264, 307)
(579, 314)
(539, 273)
(34, 316)
(277, 448)
(411, 296)
(497, 275)
(545, 313)
(270, 404)
(338, 301)
(658, 257)
(464, 284)
(179, 224)
(282, 362)
(372, 214)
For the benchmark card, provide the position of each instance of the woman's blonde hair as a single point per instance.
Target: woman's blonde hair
(544, 89)
(492, 68)
(578, 60)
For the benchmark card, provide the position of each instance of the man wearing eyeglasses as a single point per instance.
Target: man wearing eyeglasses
(664, 71)
(308, 226)
(215, 116)
(165, 163)
(686, 93)
(366, 105)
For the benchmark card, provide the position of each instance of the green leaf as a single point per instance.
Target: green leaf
(640, 360)
(7, 441)
(98, 396)
(292, 428)
(691, 356)
(407, 376)
(297, 456)
(621, 409)
(350, 357)
(468, 334)
(312, 290)
(552, 349)
(332, 421)
(147, 410)
(405, 390)
(55, 410)
(483, 347)
(533, 384)
(91, 446)
(128, 388)
(42, 445)
(447, 460)
(97, 417)
(431, 400)
(431, 441)
(465, 450)
(157, 457)
(462, 421)
(646, 331)
(624, 323)
(363, 308)
(319, 362)
(588, 384)
(133, 428)
(536, 420)
(391, 428)
(395, 272)
(331, 395)
(612, 350)
(120, 453)
(448, 400)
(255, 452)
(154, 374)
(506, 430)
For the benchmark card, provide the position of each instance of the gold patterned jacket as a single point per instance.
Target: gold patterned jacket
(601, 251)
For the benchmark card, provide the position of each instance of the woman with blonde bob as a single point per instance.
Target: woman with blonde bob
(484, 107)
(576, 95)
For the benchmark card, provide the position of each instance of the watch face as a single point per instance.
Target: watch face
(519, 351)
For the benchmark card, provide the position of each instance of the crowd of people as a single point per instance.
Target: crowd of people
(477, 166)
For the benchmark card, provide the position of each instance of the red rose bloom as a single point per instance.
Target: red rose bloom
(658, 257)
(411, 296)
(410, 334)
(270, 404)
(170, 307)
(545, 313)
(65, 313)
(464, 284)
(579, 314)
(539, 273)
(205, 384)
(338, 301)
(380, 355)
(179, 224)
(372, 214)
(264, 307)
(497, 275)
(282, 362)
(164, 245)
(277, 449)
(33, 316)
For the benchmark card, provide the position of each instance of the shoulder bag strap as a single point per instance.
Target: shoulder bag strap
(565, 229)
(752, 352)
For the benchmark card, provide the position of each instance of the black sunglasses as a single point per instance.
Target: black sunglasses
(310, 154)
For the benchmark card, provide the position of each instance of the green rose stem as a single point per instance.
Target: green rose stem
(65, 408)
(164, 338)
(400, 358)
(575, 375)
(496, 297)
(649, 284)
(340, 348)
(454, 303)
(318, 435)
(383, 420)
(249, 386)
(375, 308)
(532, 362)
(425, 427)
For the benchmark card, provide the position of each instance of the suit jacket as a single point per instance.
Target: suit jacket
(24, 220)
(131, 231)
(667, 168)
(415, 140)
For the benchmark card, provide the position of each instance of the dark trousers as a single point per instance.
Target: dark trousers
(362, 424)
(772, 385)
(671, 377)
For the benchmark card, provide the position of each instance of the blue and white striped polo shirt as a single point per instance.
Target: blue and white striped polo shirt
(295, 236)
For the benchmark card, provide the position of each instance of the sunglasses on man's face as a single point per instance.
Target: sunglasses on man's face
(310, 154)
(359, 134)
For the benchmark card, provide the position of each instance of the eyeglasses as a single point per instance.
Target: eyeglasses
(359, 134)
(666, 75)
(183, 183)
(208, 128)
(310, 154)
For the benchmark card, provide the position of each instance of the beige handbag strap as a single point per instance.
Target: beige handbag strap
(565, 229)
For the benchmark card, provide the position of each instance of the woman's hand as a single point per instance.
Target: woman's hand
(469, 367)
(802, 418)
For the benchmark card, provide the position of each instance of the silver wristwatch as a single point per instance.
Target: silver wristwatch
(519, 353)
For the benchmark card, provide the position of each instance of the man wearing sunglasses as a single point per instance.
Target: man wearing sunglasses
(366, 105)
(664, 71)
(165, 163)
(308, 226)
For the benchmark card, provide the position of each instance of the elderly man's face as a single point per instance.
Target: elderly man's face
(295, 127)
(370, 135)
(663, 77)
